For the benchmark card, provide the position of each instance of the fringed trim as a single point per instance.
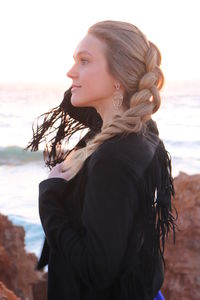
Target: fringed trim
(163, 216)
(57, 127)
(158, 191)
(61, 126)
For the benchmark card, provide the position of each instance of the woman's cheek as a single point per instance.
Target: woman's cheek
(92, 70)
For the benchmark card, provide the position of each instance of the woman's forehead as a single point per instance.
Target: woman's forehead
(90, 45)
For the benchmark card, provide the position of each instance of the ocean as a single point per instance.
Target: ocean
(21, 172)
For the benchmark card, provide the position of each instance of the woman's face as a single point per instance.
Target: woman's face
(92, 85)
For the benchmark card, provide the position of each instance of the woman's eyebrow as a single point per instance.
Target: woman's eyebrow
(81, 52)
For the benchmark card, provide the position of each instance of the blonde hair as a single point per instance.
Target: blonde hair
(134, 62)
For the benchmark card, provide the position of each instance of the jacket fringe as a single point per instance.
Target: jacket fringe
(158, 190)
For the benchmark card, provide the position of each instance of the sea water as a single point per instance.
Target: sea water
(20, 171)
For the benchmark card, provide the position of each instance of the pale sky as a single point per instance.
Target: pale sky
(38, 37)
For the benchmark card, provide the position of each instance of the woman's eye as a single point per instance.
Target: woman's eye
(84, 61)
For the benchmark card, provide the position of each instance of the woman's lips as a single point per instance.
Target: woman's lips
(75, 87)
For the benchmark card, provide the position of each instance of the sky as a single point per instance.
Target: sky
(38, 37)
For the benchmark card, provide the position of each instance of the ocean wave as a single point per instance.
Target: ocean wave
(34, 235)
(186, 144)
(15, 155)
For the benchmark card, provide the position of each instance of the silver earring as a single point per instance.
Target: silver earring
(117, 98)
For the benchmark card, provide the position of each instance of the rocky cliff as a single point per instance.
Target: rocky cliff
(17, 268)
(182, 280)
(6, 294)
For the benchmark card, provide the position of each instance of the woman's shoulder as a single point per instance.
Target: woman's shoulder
(133, 150)
(129, 144)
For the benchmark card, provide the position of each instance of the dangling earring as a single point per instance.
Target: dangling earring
(117, 98)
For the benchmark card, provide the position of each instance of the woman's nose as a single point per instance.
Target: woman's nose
(72, 73)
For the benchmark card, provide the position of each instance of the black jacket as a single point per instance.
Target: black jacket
(100, 226)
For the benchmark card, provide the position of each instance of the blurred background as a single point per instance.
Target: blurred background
(38, 38)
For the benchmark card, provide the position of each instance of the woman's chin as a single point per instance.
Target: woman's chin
(77, 102)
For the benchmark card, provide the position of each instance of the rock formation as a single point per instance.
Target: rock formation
(17, 268)
(182, 280)
(6, 294)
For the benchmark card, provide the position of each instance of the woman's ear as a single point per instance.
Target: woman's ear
(117, 85)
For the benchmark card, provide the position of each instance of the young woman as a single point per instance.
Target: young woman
(106, 205)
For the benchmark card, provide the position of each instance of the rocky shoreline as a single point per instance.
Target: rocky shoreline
(17, 267)
(182, 280)
(20, 281)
